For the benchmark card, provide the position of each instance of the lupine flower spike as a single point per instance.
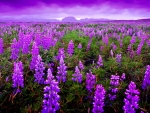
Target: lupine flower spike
(70, 49)
(90, 81)
(123, 77)
(118, 59)
(51, 97)
(81, 65)
(39, 70)
(100, 61)
(146, 81)
(17, 77)
(35, 53)
(61, 74)
(99, 97)
(14, 49)
(132, 99)
(114, 81)
(80, 46)
(77, 76)
(61, 53)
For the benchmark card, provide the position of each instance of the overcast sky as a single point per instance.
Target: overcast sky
(111, 9)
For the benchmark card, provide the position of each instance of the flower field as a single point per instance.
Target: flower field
(99, 67)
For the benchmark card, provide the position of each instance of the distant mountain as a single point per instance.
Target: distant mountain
(66, 19)
(73, 19)
(69, 19)
(54, 20)
(145, 20)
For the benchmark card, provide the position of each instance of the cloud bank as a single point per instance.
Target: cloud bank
(111, 9)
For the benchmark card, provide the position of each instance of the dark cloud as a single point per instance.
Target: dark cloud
(19, 4)
(62, 8)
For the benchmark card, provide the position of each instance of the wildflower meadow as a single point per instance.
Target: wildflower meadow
(78, 67)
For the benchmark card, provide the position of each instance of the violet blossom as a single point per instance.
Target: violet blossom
(132, 98)
(99, 97)
(51, 96)
(39, 70)
(77, 76)
(62, 71)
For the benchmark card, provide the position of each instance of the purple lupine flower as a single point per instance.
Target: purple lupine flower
(130, 32)
(20, 39)
(35, 53)
(92, 34)
(38, 40)
(100, 61)
(105, 40)
(89, 45)
(90, 81)
(39, 68)
(99, 97)
(79, 46)
(114, 47)
(138, 51)
(70, 49)
(14, 50)
(54, 41)
(129, 48)
(61, 53)
(118, 37)
(61, 74)
(26, 44)
(17, 77)
(132, 54)
(51, 66)
(81, 65)
(144, 38)
(51, 97)
(7, 79)
(132, 98)
(133, 40)
(118, 58)
(123, 77)
(121, 44)
(146, 81)
(20, 66)
(77, 76)
(1, 46)
(112, 44)
(46, 43)
(127, 33)
(114, 81)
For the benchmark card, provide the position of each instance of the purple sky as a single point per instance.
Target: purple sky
(111, 9)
